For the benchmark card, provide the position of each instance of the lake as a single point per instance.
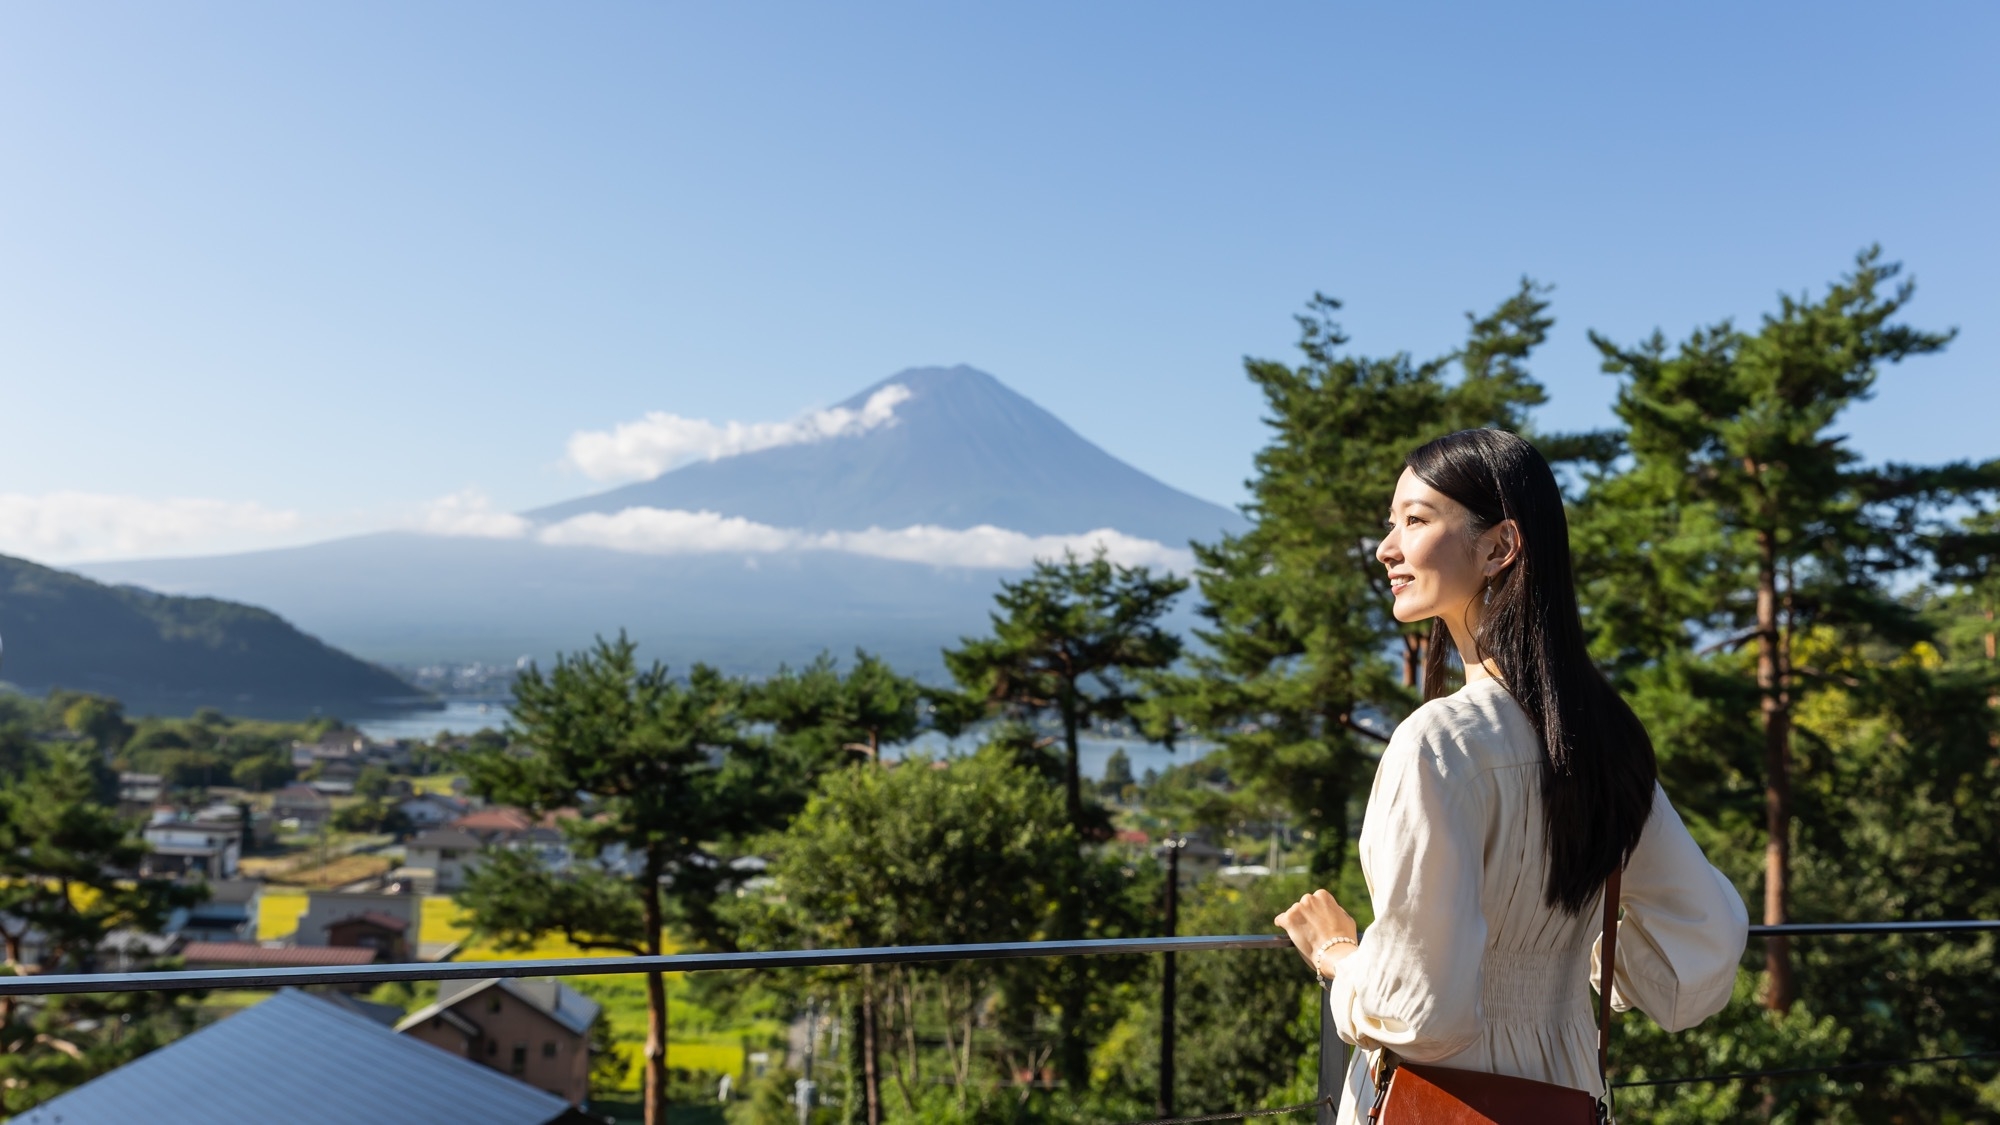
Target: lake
(464, 716)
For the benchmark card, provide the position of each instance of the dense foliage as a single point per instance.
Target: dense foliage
(69, 880)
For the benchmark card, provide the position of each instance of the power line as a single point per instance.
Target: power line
(1791, 1072)
(1241, 1114)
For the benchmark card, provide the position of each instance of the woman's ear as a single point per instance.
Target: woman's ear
(1503, 547)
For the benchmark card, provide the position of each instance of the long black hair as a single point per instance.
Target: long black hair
(1598, 769)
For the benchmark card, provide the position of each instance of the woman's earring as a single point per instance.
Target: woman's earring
(1489, 592)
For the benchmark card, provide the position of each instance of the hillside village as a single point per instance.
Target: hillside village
(348, 851)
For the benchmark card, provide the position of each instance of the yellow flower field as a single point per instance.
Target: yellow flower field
(443, 920)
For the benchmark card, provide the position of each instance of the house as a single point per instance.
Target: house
(339, 769)
(326, 909)
(386, 934)
(263, 830)
(448, 853)
(1200, 859)
(182, 847)
(301, 805)
(132, 951)
(230, 914)
(500, 824)
(536, 1030)
(302, 1060)
(505, 827)
(432, 810)
(139, 792)
(334, 746)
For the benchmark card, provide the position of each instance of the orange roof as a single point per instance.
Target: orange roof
(375, 918)
(210, 954)
(497, 819)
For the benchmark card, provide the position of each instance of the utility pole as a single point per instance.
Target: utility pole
(1173, 845)
(805, 1087)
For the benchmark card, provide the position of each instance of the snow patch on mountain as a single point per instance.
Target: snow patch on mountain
(644, 449)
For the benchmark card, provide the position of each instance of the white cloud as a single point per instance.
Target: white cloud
(663, 531)
(650, 446)
(81, 526)
(470, 514)
(997, 547)
(659, 531)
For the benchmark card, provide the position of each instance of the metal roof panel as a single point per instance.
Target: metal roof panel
(298, 1059)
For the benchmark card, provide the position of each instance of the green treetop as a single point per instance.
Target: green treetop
(1298, 609)
(68, 881)
(1742, 512)
(654, 771)
(825, 718)
(923, 854)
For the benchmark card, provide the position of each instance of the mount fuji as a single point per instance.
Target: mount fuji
(885, 522)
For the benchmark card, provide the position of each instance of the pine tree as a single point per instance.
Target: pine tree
(1742, 511)
(1070, 640)
(657, 771)
(1297, 608)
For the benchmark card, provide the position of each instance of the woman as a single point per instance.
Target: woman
(1499, 810)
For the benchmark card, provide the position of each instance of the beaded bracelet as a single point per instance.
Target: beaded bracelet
(1338, 939)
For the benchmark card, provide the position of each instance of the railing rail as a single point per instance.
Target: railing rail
(1332, 1052)
(182, 979)
(185, 979)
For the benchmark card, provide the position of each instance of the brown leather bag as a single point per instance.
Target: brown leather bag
(1410, 1094)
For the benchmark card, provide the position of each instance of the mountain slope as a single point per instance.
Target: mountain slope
(963, 450)
(412, 598)
(173, 654)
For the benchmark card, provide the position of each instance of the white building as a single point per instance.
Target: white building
(209, 848)
(448, 853)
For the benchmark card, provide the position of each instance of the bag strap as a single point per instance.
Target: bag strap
(1608, 959)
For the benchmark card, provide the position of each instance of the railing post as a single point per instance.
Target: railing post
(1332, 1062)
(1165, 1105)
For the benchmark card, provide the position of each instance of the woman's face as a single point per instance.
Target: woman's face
(1436, 566)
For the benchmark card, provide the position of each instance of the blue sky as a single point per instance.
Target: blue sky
(270, 273)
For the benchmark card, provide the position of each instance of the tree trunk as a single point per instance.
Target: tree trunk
(1072, 773)
(1776, 706)
(909, 991)
(871, 1049)
(1075, 984)
(656, 1005)
(1413, 660)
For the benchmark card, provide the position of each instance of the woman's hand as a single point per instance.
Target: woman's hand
(1314, 919)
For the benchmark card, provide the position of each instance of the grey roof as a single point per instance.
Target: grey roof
(298, 1059)
(551, 997)
(385, 1014)
(445, 838)
(234, 890)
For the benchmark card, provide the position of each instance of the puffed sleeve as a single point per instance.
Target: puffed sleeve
(1413, 984)
(1683, 930)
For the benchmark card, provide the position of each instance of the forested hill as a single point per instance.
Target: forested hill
(165, 654)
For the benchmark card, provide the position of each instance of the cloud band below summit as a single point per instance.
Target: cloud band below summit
(661, 531)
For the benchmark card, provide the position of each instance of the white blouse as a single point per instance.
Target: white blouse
(1466, 964)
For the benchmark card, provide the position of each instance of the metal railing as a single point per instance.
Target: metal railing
(1332, 1051)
